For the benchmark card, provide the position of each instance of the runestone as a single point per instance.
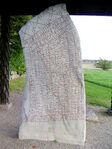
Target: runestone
(53, 105)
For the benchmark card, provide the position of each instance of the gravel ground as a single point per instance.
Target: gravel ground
(99, 134)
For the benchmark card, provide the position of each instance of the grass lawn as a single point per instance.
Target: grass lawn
(98, 86)
(102, 78)
(17, 85)
(97, 95)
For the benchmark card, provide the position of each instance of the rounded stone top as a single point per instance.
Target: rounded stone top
(45, 17)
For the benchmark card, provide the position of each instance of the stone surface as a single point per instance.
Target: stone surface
(91, 115)
(54, 97)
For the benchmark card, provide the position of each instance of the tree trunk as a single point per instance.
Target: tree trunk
(4, 60)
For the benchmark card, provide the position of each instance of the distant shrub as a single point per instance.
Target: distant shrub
(104, 64)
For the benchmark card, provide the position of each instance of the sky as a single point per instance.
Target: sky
(95, 34)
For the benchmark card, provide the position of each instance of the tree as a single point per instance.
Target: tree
(4, 60)
(104, 64)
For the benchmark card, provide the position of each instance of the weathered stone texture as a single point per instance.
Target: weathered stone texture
(54, 96)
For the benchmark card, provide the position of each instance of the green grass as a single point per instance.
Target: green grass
(97, 95)
(98, 87)
(102, 78)
(17, 85)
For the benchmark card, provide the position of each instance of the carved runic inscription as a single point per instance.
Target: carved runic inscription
(53, 64)
(54, 96)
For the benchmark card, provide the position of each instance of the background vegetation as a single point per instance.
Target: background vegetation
(104, 64)
(98, 85)
(16, 53)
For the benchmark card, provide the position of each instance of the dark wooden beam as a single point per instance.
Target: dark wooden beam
(4, 60)
(79, 7)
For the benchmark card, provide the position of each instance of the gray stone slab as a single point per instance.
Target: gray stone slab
(54, 94)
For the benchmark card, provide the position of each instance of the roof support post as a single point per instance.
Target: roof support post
(4, 59)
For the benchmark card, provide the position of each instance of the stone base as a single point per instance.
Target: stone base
(70, 132)
(5, 106)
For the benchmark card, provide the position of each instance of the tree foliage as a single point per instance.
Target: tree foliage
(104, 64)
(16, 53)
